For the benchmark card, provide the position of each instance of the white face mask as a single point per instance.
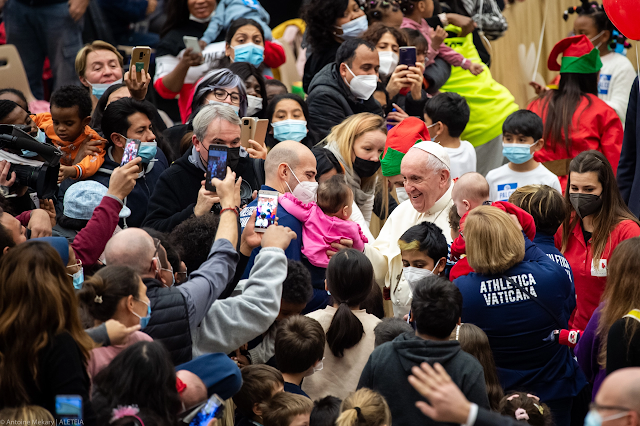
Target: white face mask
(255, 105)
(362, 86)
(306, 191)
(201, 20)
(233, 107)
(595, 38)
(402, 195)
(388, 62)
(415, 275)
(318, 367)
(354, 28)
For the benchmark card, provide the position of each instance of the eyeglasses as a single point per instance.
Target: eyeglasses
(222, 95)
(182, 276)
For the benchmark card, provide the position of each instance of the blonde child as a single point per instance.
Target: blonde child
(364, 407)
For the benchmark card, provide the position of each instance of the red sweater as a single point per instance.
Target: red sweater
(462, 267)
(590, 282)
(90, 242)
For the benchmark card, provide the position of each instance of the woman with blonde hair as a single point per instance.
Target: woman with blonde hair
(364, 408)
(516, 296)
(611, 340)
(43, 347)
(357, 143)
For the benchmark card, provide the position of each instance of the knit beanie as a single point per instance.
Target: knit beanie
(399, 140)
(578, 56)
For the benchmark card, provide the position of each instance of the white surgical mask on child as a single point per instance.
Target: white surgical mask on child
(415, 275)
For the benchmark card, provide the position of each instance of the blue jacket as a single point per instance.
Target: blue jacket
(138, 199)
(284, 219)
(230, 10)
(629, 165)
(517, 325)
(547, 245)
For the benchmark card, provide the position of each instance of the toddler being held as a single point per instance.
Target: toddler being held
(326, 221)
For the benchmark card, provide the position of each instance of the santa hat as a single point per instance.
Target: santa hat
(399, 140)
(578, 56)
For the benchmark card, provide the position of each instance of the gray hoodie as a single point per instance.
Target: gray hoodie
(232, 322)
(390, 365)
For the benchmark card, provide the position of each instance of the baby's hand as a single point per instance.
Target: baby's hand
(67, 172)
(438, 36)
(476, 68)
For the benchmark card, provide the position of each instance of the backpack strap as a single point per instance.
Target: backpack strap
(537, 301)
(635, 314)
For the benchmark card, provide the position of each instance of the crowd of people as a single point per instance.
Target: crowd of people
(404, 245)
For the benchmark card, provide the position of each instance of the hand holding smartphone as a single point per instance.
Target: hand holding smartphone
(254, 129)
(407, 56)
(266, 210)
(192, 43)
(217, 165)
(130, 151)
(140, 57)
(212, 409)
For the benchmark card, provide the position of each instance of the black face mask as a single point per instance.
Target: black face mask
(365, 168)
(233, 157)
(585, 204)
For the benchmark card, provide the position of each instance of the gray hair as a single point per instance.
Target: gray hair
(211, 113)
(219, 79)
(436, 165)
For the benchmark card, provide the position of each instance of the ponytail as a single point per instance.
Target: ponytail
(366, 408)
(102, 293)
(349, 279)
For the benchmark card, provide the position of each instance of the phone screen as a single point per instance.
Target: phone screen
(407, 56)
(209, 411)
(130, 151)
(217, 165)
(266, 211)
(69, 408)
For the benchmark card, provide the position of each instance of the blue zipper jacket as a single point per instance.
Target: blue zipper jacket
(517, 325)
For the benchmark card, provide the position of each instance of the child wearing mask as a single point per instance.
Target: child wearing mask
(67, 125)
(424, 252)
(326, 221)
(521, 138)
(415, 14)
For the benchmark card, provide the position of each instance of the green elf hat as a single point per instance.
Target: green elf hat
(399, 140)
(578, 56)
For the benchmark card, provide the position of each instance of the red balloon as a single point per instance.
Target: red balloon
(624, 15)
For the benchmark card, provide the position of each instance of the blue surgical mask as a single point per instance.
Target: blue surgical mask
(147, 151)
(249, 52)
(144, 320)
(78, 279)
(595, 419)
(289, 130)
(98, 89)
(354, 28)
(40, 137)
(517, 153)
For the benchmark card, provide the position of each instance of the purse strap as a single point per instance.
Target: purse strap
(536, 300)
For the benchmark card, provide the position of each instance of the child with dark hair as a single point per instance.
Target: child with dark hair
(325, 221)
(299, 351)
(274, 88)
(446, 115)
(260, 383)
(527, 408)
(424, 252)
(67, 125)
(389, 329)
(286, 409)
(521, 138)
(436, 309)
(325, 411)
(16, 96)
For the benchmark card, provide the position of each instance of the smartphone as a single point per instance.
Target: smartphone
(213, 408)
(266, 211)
(248, 130)
(261, 127)
(217, 165)
(192, 42)
(140, 57)
(69, 409)
(407, 56)
(130, 151)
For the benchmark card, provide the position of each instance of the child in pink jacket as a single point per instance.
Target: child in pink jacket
(327, 221)
(415, 12)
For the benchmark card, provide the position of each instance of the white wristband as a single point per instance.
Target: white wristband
(473, 414)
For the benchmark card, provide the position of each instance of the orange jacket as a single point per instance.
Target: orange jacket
(90, 164)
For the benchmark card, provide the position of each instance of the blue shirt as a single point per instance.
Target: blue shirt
(293, 388)
(285, 219)
(546, 244)
(517, 325)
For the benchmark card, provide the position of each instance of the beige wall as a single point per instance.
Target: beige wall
(525, 22)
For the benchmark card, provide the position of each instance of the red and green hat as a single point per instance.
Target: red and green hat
(399, 140)
(578, 56)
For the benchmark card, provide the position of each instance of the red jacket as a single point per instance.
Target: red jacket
(462, 267)
(595, 126)
(590, 282)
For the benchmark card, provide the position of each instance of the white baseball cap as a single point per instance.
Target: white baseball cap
(436, 150)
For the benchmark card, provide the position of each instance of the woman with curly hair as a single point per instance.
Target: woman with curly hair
(329, 23)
